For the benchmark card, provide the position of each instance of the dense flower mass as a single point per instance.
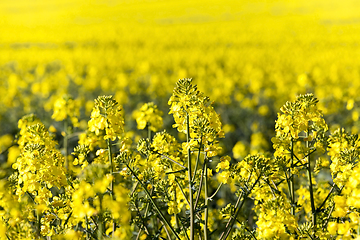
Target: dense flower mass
(164, 186)
(66, 107)
(238, 166)
(190, 108)
(107, 116)
(149, 115)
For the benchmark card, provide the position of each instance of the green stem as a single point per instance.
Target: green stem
(112, 181)
(313, 209)
(206, 214)
(153, 202)
(183, 229)
(182, 191)
(66, 144)
(238, 206)
(172, 160)
(216, 191)
(287, 181)
(167, 232)
(191, 200)
(87, 228)
(100, 220)
(175, 215)
(143, 224)
(327, 197)
(200, 186)
(197, 159)
(38, 224)
(292, 181)
(328, 217)
(149, 131)
(145, 215)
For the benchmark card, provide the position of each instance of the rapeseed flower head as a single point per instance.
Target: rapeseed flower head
(66, 107)
(188, 104)
(344, 150)
(40, 165)
(149, 115)
(300, 116)
(107, 116)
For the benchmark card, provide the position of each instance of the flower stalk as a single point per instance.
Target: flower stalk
(191, 200)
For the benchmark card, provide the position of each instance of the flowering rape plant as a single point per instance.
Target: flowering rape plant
(149, 115)
(165, 188)
(67, 109)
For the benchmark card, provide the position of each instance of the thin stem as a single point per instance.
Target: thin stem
(181, 190)
(287, 181)
(187, 200)
(68, 218)
(271, 188)
(313, 209)
(250, 232)
(153, 202)
(66, 144)
(327, 197)
(200, 186)
(143, 223)
(192, 222)
(133, 190)
(206, 214)
(175, 214)
(299, 161)
(146, 212)
(331, 210)
(328, 217)
(172, 160)
(197, 159)
(292, 181)
(238, 206)
(38, 224)
(87, 228)
(231, 221)
(100, 221)
(217, 190)
(112, 181)
(7, 149)
(167, 232)
(149, 131)
(183, 228)
(31, 197)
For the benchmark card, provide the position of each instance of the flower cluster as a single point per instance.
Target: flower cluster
(66, 107)
(40, 165)
(107, 116)
(188, 105)
(92, 203)
(40, 171)
(344, 150)
(301, 116)
(149, 115)
(275, 220)
(165, 188)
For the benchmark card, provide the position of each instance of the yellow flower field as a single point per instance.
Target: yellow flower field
(100, 139)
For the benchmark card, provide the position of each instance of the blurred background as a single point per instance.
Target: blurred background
(249, 57)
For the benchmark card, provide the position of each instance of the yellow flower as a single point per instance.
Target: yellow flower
(332, 227)
(224, 163)
(149, 115)
(106, 115)
(65, 107)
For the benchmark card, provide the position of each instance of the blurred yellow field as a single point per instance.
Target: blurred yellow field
(246, 50)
